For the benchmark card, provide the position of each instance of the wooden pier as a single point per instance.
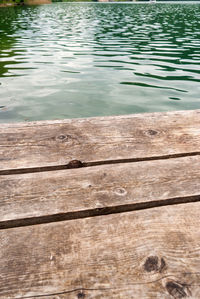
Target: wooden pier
(101, 208)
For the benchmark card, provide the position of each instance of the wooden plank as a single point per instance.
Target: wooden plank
(51, 143)
(148, 254)
(99, 187)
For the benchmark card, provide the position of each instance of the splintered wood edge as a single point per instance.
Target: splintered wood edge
(38, 146)
(34, 198)
(143, 254)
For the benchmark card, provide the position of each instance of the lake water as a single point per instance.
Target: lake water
(68, 60)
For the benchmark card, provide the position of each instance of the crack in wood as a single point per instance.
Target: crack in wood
(97, 212)
(77, 164)
(67, 292)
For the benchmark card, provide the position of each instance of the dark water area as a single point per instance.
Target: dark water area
(67, 60)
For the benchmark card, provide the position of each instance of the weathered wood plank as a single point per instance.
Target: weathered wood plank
(51, 143)
(148, 254)
(87, 189)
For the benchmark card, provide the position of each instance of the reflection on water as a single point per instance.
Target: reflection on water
(86, 59)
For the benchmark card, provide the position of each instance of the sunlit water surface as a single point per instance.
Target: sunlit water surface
(70, 60)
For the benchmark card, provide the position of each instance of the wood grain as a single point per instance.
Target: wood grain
(50, 143)
(99, 187)
(147, 254)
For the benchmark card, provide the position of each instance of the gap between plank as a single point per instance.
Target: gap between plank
(97, 212)
(78, 164)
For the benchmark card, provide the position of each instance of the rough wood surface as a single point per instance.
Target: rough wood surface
(51, 143)
(99, 187)
(146, 254)
(150, 252)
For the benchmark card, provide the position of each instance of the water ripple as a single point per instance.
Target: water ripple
(86, 59)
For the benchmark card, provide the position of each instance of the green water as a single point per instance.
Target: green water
(70, 60)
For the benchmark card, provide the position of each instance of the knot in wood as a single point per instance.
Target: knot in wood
(80, 295)
(120, 191)
(75, 164)
(151, 264)
(62, 137)
(152, 132)
(177, 290)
